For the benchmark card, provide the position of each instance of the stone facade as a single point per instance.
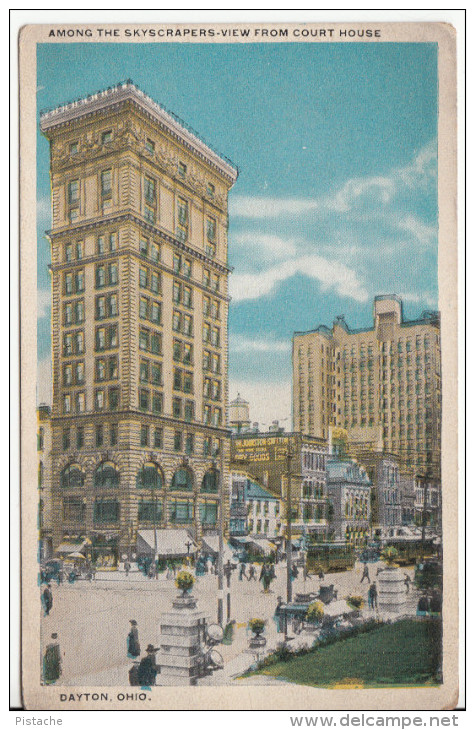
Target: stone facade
(139, 320)
(381, 384)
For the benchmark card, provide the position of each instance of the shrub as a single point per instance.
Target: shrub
(355, 602)
(315, 612)
(257, 625)
(389, 555)
(184, 581)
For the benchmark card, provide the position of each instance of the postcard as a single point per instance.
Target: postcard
(239, 366)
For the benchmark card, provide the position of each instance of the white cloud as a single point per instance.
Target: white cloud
(422, 169)
(268, 401)
(239, 343)
(424, 298)
(43, 303)
(267, 245)
(43, 207)
(43, 381)
(423, 233)
(379, 189)
(258, 207)
(330, 275)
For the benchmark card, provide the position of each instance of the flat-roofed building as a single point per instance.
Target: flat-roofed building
(139, 284)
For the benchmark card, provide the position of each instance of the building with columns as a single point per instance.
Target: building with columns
(139, 284)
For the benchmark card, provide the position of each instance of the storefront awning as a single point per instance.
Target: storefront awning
(169, 542)
(210, 544)
(66, 548)
(243, 540)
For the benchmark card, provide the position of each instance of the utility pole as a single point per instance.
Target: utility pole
(221, 538)
(289, 524)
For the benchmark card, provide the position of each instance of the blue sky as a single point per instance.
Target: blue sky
(337, 195)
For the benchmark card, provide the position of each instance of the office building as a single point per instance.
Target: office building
(381, 384)
(139, 283)
(269, 458)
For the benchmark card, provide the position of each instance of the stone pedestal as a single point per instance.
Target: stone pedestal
(391, 591)
(182, 638)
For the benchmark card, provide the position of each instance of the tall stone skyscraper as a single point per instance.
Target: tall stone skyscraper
(139, 282)
(381, 384)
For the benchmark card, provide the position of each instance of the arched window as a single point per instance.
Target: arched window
(182, 479)
(40, 475)
(106, 475)
(72, 476)
(210, 481)
(149, 477)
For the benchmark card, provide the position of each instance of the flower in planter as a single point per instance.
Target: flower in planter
(257, 625)
(355, 602)
(389, 556)
(184, 581)
(315, 612)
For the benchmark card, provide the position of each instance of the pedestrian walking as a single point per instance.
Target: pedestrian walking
(294, 572)
(407, 582)
(373, 596)
(365, 573)
(242, 571)
(127, 568)
(52, 661)
(133, 644)
(279, 618)
(148, 668)
(47, 599)
(265, 577)
(252, 572)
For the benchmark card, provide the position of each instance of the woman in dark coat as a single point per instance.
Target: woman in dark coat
(52, 662)
(148, 668)
(133, 645)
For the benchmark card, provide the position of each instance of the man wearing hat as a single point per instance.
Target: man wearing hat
(133, 645)
(52, 661)
(47, 599)
(148, 668)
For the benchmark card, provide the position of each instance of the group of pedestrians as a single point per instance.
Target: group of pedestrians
(143, 673)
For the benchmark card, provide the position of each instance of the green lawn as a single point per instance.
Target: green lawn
(403, 653)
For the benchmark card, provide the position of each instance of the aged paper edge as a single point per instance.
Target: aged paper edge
(291, 696)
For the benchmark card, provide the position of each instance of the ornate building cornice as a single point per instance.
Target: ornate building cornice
(112, 98)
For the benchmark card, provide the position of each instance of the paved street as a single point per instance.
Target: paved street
(92, 619)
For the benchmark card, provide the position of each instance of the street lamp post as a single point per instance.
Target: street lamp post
(289, 456)
(228, 569)
(221, 539)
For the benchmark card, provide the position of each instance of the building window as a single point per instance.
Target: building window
(178, 441)
(189, 443)
(182, 480)
(114, 434)
(106, 183)
(144, 436)
(150, 146)
(150, 511)
(182, 169)
(106, 511)
(182, 222)
(72, 477)
(210, 481)
(210, 189)
(74, 509)
(158, 438)
(106, 476)
(73, 192)
(106, 137)
(66, 438)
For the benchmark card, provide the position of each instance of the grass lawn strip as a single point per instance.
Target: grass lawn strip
(403, 653)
